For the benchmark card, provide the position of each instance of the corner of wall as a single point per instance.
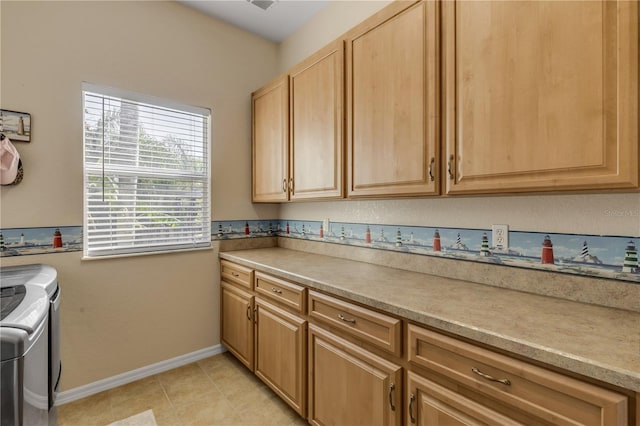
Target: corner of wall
(327, 25)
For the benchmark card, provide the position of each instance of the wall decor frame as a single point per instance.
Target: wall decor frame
(15, 125)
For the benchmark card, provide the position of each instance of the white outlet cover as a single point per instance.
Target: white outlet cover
(500, 237)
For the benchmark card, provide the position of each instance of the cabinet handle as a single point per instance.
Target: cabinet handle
(255, 315)
(431, 164)
(392, 387)
(284, 185)
(412, 398)
(235, 274)
(349, 320)
(292, 186)
(449, 164)
(249, 312)
(276, 290)
(491, 378)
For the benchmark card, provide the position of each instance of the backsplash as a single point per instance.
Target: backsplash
(614, 257)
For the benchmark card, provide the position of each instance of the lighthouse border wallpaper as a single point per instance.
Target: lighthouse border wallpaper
(602, 256)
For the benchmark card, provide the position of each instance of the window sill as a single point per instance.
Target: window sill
(147, 253)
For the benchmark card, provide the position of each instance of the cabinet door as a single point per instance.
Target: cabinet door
(430, 404)
(270, 127)
(392, 102)
(237, 323)
(540, 95)
(349, 385)
(281, 353)
(316, 117)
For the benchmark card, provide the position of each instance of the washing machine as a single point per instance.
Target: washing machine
(24, 340)
(26, 289)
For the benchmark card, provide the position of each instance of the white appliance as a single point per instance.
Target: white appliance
(29, 334)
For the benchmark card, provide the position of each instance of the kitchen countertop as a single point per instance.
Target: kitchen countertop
(594, 341)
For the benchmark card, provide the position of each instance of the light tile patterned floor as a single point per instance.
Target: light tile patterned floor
(215, 391)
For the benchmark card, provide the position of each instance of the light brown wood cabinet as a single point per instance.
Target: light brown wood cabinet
(270, 139)
(237, 323)
(517, 391)
(349, 385)
(316, 131)
(298, 131)
(261, 325)
(339, 363)
(540, 95)
(458, 96)
(236, 313)
(392, 102)
(281, 343)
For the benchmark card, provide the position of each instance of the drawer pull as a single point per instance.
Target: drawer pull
(431, 164)
(392, 387)
(235, 274)
(249, 312)
(491, 378)
(412, 398)
(276, 290)
(349, 320)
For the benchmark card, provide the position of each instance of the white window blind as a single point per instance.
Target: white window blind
(146, 174)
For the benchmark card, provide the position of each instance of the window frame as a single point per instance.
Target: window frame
(151, 101)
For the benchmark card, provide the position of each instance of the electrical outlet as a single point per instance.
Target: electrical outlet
(500, 236)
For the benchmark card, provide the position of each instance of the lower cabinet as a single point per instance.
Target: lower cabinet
(281, 339)
(481, 380)
(349, 385)
(348, 367)
(237, 323)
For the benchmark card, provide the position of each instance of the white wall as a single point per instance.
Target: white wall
(122, 314)
(611, 214)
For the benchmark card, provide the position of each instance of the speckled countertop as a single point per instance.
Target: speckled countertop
(594, 341)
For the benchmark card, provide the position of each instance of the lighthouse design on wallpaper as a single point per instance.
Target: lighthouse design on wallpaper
(614, 257)
(630, 258)
(28, 241)
(547, 251)
(599, 256)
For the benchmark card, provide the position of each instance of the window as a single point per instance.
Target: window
(146, 174)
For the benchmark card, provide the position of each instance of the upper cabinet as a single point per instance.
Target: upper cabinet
(460, 97)
(270, 138)
(392, 102)
(298, 131)
(316, 132)
(540, 96)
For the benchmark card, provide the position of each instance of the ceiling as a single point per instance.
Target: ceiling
(276, 23)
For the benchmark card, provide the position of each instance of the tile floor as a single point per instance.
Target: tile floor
(215, 391)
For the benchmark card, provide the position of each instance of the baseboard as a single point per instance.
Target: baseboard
(137, 374)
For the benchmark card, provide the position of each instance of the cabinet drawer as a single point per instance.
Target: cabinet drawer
(287, 293)
(378, 329)
(551, 397)
(236, 274)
